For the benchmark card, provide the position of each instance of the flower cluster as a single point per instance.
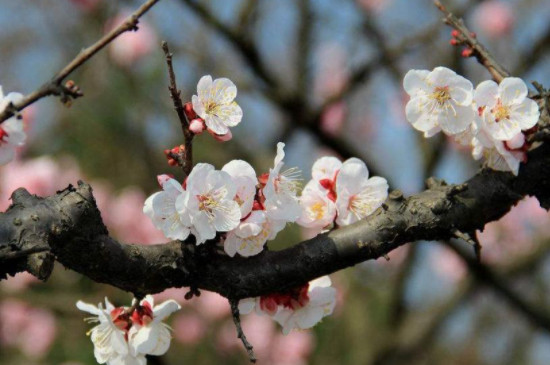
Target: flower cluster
(340, 192)
(232, 200)
(300, 308)
(125, 335)
(12, 134)
(492, 119)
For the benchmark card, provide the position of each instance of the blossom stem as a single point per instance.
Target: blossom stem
(237, 320)
(468, 38)
(187, 162)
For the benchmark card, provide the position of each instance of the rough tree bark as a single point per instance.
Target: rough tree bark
(69, 226)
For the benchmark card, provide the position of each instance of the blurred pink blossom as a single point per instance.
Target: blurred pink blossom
(447, 264)
(32, 330)
(515, 233)
(495, 18)
(126, 218)
(41, 176)
(188, 328)
(86, 5)
(333, 74)
(131, 46)
(293, 349)
(211, 305)
(270, 345)
(374, 5)
(333, 118)
(18, 282)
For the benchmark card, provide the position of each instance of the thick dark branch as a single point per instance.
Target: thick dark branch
(55, 87)
(70, 224)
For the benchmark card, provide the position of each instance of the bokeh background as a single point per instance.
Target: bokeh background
(324, 76)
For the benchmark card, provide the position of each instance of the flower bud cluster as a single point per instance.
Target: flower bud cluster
(493, 119)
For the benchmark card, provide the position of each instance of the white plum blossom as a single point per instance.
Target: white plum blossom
(215, 104)
(109, 341)
(12, 134)
(358, 195)
(440, 100)
(325, 168)
(505, 109)
(281, 188)
(321, 302)
(245, 180)
(148, 334)
(318, 210)
(499, 155)
(249, 238)
(210, 203)
(161, 208)
(124, 336)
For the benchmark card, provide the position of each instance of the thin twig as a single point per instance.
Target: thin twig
(175, 94)
(468, 39)
(54, 87)
(17, 254)
(237, 320)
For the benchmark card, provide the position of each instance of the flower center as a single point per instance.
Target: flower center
(441, 94)
(289, 181)
(317, 210)
(500, 111)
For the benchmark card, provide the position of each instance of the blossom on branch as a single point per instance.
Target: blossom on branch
(12, 134)
(215, 104)
(505, 109)
(299, 308)
(210, 202)
(340, 192)
(124, 336)
(161, 208)
(281, 189)
(440, 100)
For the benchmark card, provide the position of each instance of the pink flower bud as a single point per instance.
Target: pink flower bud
(196, 126)
(495, 18)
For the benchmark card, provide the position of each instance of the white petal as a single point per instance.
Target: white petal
(419, 113)
(325, 168)
(237, 168)
(86, 307)
(309, 317)
(456, 119)
(351, 174)
(224, 91)
(7, 153)
(512, 90)
(247, 305)
(198, 106)
(526, 114)
(163, 342)
(164, 309)
(414, 82)
(146, 338)
(204, 86)
(486, 94)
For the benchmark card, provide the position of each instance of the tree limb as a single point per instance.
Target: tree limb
(70, 224)
(54, 86)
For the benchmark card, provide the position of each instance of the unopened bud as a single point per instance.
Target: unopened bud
(453, 42)
(455, 33)
(467, 52)
(164, 178)
(189, 112)
(196, 126)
